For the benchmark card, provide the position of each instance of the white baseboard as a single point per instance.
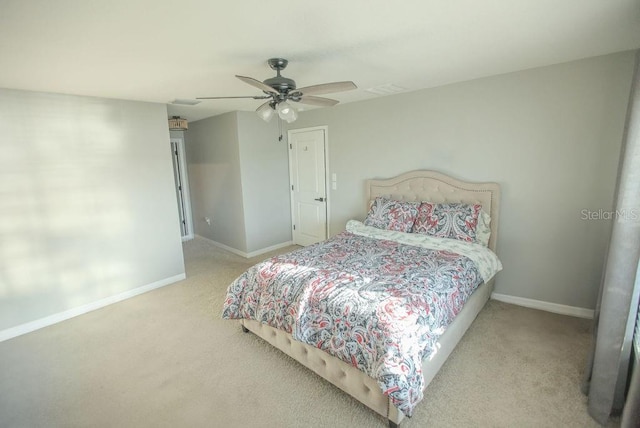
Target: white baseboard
(545, 306)
(21, 329)
(268, 249)
(242, 253)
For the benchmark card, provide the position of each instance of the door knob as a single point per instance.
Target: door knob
(319, 199)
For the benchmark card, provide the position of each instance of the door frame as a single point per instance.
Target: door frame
(184, 177)
(327, 205)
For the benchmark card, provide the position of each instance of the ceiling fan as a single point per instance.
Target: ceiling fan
(280, 90)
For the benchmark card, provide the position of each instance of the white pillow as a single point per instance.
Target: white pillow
(483, 231)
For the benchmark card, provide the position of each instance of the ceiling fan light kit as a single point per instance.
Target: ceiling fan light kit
(280, 91)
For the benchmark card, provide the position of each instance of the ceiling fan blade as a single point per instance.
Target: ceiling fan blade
(255, 97)
(327, 88)
(318, 101)
(258, 84)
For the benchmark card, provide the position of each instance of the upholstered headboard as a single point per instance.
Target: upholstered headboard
(437, 187)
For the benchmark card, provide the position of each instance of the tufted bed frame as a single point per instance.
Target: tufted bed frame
(412, 186)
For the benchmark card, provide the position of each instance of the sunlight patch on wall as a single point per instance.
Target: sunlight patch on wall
(86, 201)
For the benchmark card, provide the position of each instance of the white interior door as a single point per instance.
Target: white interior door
(307, 170)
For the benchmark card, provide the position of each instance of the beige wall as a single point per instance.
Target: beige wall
(239, 177)
(550, 136)
(87, 202)
(264, 164)
(214, 178)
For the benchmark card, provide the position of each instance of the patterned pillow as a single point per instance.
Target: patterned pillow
(392, 215)
(453, 221)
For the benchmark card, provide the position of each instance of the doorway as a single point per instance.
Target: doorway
(308, 181)
(181, 180)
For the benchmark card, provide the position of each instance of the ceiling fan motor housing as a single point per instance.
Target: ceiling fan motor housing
(281, 84)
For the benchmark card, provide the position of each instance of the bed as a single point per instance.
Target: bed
(348, 373)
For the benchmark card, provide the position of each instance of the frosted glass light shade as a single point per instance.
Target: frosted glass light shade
(294, 115)
(286, 112)
(266, 112)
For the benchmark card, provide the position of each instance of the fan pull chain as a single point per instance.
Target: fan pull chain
(280, 129)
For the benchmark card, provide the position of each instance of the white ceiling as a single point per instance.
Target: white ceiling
(157, 50)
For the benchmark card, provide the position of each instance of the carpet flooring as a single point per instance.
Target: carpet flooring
(166, 359)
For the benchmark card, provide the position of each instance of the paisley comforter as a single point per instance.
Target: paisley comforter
(377, 300)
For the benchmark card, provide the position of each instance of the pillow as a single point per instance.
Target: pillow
(392, 215)
(453, 221)
(483, 231)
